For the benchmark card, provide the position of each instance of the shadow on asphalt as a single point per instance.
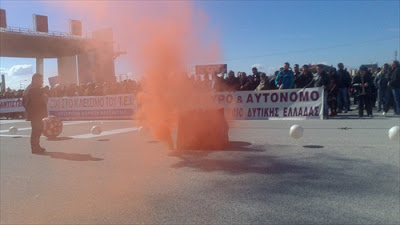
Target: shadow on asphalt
(59, 139)
(238, 158)
(105, 139)
(313, 146)
(322, 172)
(70, 156)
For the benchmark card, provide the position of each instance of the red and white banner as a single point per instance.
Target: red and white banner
(11, 105)
(92, 107)
(290, 104)
(273, 105)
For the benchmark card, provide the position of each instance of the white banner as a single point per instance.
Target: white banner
(243, 105)
(11, 105)
(269, 105)
(93, 107)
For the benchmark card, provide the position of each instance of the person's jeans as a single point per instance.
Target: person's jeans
(383, 98)
(326, 108)
(396, 96)
(342, 97)
(37, 129)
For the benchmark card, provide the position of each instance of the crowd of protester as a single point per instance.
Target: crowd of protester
(86, 89)
(370, 87)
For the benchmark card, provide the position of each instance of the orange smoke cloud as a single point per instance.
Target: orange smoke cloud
(164, 38)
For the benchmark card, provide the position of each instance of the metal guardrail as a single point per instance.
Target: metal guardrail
(36, 33)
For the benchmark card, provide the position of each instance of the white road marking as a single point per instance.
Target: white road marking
(104, 133)
(64, 124)
(80, 136)
(11, 121)
(13, 135)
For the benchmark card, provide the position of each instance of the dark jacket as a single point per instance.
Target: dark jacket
(320, 80)
(343, 79)
(35, 103)
(395, 78)
(249, 86)
(381, 80)
(367, 79)
(304, 79)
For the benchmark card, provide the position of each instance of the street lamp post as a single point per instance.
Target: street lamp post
(20, 83)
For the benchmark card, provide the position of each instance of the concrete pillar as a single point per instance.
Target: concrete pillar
(67, 70)
(39, 65)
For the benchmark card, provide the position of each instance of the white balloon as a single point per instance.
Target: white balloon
(296, 131)
(96, 130)
(13, 130)
(394, 133)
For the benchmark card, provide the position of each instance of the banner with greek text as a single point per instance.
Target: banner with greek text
(290, 104)
(11, 105)
(92, 107)
(293, 104)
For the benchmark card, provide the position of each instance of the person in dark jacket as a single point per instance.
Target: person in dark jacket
(272, 85)
(250, 85)
(321, 79)
(35, 103)
(394, 83)
(332, 92)
(232, 83)
(256, 75)
(304, 78)
(296, 74)
(343, 84)
(380, 81)
(362, 82)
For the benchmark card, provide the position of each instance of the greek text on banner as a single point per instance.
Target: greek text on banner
(276, 104)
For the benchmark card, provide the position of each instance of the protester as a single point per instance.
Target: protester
(381, 80)
(242, 80)
(304, 78)
(321, 79)
(250, 85)
(362, 82)
(272, 85)
(332, 92)
(256, 75)
(285, 78)
(394, 83)
(296, 74)
(343, 83)
(264, 83)
(374, 71)
(35, 104)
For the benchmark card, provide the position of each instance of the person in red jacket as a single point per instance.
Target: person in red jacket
(35, 103)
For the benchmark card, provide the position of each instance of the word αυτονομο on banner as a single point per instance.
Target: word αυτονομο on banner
(275, 104)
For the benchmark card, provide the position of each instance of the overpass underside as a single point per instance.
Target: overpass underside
(79, 59)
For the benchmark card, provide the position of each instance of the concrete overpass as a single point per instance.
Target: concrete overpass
(79, 59)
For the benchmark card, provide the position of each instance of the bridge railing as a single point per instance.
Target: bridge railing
(36, 33)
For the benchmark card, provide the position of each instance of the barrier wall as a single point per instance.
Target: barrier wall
(244, 105)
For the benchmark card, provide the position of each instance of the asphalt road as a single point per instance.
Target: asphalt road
(342, 171)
